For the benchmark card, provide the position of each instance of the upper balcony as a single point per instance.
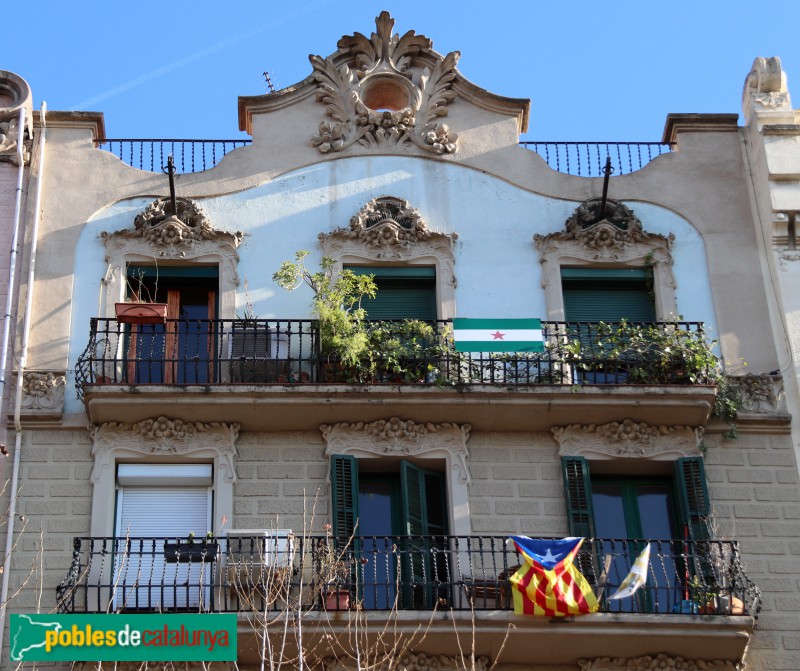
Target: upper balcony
(272, 373)
(697, 602)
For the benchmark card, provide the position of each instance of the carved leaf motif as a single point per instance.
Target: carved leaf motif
(435, 90)
(334, 88)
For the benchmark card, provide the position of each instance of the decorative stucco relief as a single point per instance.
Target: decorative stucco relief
(411, 661)
(628, 439)
(592, 238)
(16, 90)
(761, 394)
(398, 437)
(765, 93)
(42, 394)
(385, 90)
(660, 662)
(163, 436)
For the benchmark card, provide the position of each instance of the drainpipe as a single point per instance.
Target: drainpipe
(12, 509)
(12, 277)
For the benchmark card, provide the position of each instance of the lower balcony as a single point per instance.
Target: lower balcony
(697, 602)
(273, 373)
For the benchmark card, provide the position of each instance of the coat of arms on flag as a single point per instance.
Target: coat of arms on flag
(549, 583)
(498, 335)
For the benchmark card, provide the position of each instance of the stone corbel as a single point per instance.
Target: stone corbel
(628, 440)
(765, 96)
(42, 395)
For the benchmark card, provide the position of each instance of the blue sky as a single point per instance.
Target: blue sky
(599, 70)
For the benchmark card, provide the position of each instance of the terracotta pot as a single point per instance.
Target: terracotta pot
(141, 313)
(337, 599)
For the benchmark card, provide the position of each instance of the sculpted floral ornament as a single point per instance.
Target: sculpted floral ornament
(385, 90)
(42, 393)
(660, 662)
(761, 394)
(628, 439)
(411, 661)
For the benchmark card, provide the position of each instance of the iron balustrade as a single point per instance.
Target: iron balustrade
(299, 573)
(287, 351)
(587, 159)
(584, 159)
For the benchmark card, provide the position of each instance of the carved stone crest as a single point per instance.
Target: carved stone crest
(164, 437)
(15, 94)
(765, 92)
(385, 90)
(628, 439)
(398, 437)
(760, 394)
(660, 662)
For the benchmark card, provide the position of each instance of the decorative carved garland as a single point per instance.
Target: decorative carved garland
(163, 437)
(397, 437)
(384, 61)
(660, 662)
(628, 439)
(411, 661)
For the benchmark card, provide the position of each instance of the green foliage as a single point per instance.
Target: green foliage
(337, 304)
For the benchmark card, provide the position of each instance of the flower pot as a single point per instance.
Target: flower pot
(190, 553)
(141, 313)
(337, 599)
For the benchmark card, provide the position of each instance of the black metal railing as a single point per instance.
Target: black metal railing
(189, 155)
(587, 159)
(277, 572)
(283, 351)
(584, 159)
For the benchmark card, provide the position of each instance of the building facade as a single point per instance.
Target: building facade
(241, 457)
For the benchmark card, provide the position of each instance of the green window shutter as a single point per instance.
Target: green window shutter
(414, 513)
(692, 495)
(578, 490)
(344, 495)
(403, 293)
(598, 294)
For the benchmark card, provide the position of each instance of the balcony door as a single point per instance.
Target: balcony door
(157, 502)
(182, 350)
(394, 510)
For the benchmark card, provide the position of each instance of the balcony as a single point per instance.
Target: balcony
(697, 601)
(252, 371)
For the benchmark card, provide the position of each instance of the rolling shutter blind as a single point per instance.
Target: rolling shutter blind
(578, 490)
(608, 295)
(403, 293)
(693, 502)
(164, 511)
(344, 495)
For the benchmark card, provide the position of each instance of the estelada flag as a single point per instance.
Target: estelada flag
(548, 583)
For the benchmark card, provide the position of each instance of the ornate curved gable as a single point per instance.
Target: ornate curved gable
(385, 90)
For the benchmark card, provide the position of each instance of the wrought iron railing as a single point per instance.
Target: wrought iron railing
(277, 572)
(585, 159)
(287, 351)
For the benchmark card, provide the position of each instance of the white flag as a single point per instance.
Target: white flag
(637, 576)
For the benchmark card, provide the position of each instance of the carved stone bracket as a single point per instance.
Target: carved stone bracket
(660, 662)
(412, 661)
(163, 436)
(397, 437)
(42, 395)
(765, 94)
(628, 439)
(385, 90)
(761, 394)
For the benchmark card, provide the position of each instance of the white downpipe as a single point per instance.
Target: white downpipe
(12, 265)
(12, 509)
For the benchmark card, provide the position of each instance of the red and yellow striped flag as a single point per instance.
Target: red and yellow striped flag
(548, 583)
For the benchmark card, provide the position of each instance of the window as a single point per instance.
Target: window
(403, 293)
(154, 502)
(608, 294)
(182, 351)
(616, 510)
(376, 503)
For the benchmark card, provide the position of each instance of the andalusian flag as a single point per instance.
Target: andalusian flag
(637, 576)
(498, 335)
(548, 583)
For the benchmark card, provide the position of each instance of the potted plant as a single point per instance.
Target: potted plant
(191, 550)
(344, 341)
(141, 308)
(334, 569)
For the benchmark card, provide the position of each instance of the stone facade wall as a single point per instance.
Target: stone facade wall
(8, 186)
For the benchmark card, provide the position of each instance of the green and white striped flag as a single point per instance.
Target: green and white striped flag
(498, 335)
